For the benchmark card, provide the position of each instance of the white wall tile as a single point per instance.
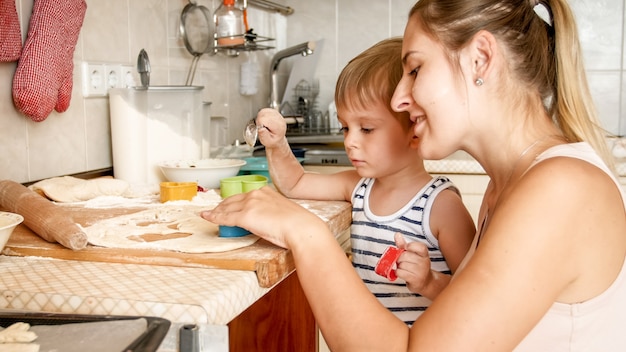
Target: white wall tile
(57, 146)
(597, 21)
(605, 87)
(98, 132)
(13, 144)
(399, 16)
(360, 25)
(105, 32)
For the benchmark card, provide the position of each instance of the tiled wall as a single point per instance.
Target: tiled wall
(115, 30)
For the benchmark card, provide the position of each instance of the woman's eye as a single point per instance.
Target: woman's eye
(367, 130)
(414, 72)
(343, 130)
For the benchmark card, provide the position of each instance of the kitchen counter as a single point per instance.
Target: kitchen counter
(462, 163)
(206, 297)
(457, 163)
(232, 310)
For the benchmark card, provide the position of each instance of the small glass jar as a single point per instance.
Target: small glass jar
(229, 24)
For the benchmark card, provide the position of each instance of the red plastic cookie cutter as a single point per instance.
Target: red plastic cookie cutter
(387, 263)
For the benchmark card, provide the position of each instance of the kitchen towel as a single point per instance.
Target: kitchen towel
(43, 78)
(10, 33)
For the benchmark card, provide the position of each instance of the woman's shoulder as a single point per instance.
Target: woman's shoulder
(575, 162)
(574, 168)
(580, 150)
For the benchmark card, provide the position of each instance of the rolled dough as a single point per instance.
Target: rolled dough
(175, 228)
(67, 189)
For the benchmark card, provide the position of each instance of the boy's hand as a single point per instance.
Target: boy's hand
(413, 264)
(275, 128)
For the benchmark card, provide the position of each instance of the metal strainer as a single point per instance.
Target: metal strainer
(196, 28)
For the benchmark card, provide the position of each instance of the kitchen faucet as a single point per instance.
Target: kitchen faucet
(303, 49)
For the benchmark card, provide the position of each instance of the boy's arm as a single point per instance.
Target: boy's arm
(454, 227)
(287, 173)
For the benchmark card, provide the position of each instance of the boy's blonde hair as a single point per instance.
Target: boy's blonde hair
(371, 77)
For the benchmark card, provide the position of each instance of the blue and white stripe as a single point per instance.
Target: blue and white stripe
(372, 234)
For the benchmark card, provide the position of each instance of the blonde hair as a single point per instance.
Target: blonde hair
(372, 76)
(543, 54)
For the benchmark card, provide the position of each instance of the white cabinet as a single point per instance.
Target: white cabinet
(472, 188)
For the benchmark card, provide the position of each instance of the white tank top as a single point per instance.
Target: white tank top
(598, 324)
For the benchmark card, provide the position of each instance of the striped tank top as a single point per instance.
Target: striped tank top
(370, 235)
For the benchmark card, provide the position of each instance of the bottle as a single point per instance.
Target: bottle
(229, 24)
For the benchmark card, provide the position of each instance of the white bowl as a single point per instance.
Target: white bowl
(8, 223)
(206, 172)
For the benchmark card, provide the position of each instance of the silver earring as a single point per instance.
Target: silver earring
(479, 82)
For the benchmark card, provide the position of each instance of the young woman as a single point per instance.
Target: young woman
(546, 269)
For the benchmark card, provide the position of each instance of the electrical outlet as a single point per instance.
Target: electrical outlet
(113, 76)
(128, 77)
(94, 80)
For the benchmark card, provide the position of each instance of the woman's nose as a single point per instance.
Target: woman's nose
(401, 99)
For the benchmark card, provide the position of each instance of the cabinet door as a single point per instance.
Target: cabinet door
(281, 320)
(472, 188)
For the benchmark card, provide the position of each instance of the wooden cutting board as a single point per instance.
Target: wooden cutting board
(269, 262)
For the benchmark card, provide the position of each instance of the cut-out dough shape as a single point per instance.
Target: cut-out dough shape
(164, 228)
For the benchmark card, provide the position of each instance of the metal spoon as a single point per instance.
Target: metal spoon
(251, 132)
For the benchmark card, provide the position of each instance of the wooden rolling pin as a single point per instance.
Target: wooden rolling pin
(46, 219)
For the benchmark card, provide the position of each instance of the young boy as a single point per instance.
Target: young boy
(389, 188)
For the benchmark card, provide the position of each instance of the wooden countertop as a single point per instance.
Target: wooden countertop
(269, 262)
(183, 288)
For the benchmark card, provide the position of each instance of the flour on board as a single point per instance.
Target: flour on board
(175, 228)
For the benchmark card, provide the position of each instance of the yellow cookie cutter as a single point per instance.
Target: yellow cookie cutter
(178, 191)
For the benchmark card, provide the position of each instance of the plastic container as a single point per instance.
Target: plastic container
(229, 25)
(241, 184)
(235, 185)
(154, 124)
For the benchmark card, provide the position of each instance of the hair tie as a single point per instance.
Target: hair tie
(542, 9)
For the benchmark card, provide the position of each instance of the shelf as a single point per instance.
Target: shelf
(251, 43)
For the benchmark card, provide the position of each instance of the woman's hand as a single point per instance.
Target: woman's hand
(275, 128)
(267, 214)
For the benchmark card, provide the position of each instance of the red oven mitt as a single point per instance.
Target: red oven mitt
(387, 264)
(43, 78)
(10, 33)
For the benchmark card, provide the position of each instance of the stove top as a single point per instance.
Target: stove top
(319, 153)
(326, 157)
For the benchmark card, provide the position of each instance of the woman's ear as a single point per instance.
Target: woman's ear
(482, 51)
